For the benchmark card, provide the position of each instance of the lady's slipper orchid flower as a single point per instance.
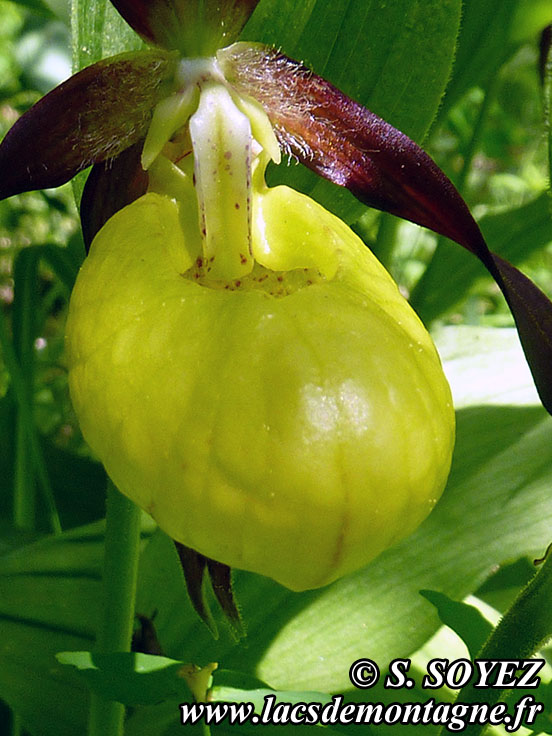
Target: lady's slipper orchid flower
(194, 124)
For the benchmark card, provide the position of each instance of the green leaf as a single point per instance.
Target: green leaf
(29, 455)
(471, 355)
(514, 235)
(543, 722)
(524, 629)
(49, 602)
(470, 625)
(392, 57)
(129, 678)
(98, 31)
(63, 264)
(145, 679)
(484, 44)
(78, 485)
(233, 687)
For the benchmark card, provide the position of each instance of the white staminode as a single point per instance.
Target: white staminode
(222, 141)
(227, 133)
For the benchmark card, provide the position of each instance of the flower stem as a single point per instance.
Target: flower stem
(24, 496)
(28, 444)
(122, 539)
(16, 725)
(525, 628)
(386, 239)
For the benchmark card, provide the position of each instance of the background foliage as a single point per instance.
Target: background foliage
(463, 79)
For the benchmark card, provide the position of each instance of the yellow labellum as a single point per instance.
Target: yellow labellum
(294, 422)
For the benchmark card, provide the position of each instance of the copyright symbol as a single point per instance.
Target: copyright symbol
(364, 673)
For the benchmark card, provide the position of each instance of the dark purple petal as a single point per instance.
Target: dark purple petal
(111, 185)
(532, 312)
(92, 116)
(194, 27)
(347, 144)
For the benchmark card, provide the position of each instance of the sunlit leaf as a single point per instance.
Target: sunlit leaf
(128, 677)
(236, 687)
(543, 722)
(470, 625)
(38, 6)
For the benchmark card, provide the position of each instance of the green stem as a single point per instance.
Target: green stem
(386, 239)
(473, 144)
(122, 540)
(25, 419)
(24, 494)
(525, 628)
(16, 725)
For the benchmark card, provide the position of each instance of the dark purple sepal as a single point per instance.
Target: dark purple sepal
(350, 146)
(93, 116)
(193, 27)
(532, 311)
(194, 565)
(111, 185)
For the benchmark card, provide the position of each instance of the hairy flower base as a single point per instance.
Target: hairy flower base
(295, 429)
